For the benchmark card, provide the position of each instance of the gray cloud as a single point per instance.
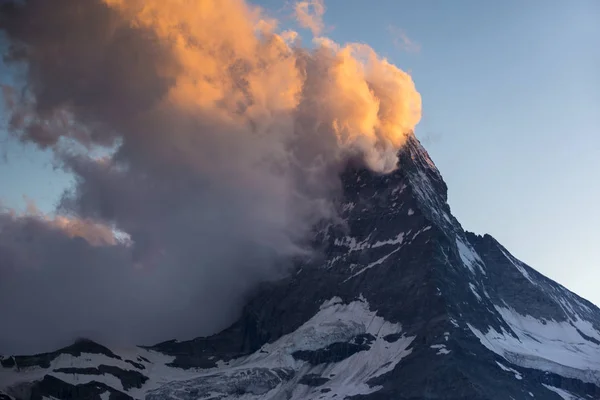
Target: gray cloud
(228, 147)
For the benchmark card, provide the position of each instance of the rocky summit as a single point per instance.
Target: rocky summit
(399, 303)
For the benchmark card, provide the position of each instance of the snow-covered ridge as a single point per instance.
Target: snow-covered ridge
(335, 323)
(303, 363)
(152, 371)
(562, 393)
(402, 302)
(556, 347)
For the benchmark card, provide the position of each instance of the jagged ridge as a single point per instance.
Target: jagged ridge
(400, 303)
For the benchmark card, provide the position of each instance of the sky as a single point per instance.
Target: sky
(511, 100)
(511, 116)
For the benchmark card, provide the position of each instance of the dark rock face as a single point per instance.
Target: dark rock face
(128, 378)
(436, 283)
(335, 352)
(43, 360)
(313, 380)
(55, 388)
(258, 381)
(398, 302)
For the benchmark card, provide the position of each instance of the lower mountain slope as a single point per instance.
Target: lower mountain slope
(399, 302)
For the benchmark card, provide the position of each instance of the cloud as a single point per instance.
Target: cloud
(402, 41)
(222, 147)
(289, 37)
(96, 234)
(309, 14)
(56, 287)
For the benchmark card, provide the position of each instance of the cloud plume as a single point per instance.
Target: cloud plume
(309, 14)
(224, 145)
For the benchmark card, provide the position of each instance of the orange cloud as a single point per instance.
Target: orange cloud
(365, 103)
(94, 233)
(309, 14)
(225, 140)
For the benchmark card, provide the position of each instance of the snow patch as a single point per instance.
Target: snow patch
(550, 346)
(585, 327)
(397, 240)
(348, 206)
(424, 229)
(156, 370)
(507, 369)
(331, 302)
(335, 322)
(352, 244)
(79, 379)
(398, 189)
(469, 257)
(379, 261)
(562, 393)
(474, 290)
(519, 267)
(442, 350)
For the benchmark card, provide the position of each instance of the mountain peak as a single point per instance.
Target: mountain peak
(416, 160)
(401, 303)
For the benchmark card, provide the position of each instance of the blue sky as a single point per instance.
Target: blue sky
(511, 116)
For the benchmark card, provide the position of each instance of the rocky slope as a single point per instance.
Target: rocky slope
(400, 303)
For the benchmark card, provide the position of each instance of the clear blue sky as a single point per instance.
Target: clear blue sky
(511, 103)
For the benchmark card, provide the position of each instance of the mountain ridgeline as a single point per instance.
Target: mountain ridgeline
(399, 303)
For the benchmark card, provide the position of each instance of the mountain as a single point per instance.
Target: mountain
(400, 303)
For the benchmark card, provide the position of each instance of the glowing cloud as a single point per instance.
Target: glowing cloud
(309, 14)
(229, 142)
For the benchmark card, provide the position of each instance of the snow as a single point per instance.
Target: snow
(586, 327)
(398, 189)
(562, 393)
(423, 188)
(442, 350)
(397, 240)
(474, 290)
(348, 206)
(105, 395)
(351, 374)
(331, 302)
(379, 261)
(335, 322)
(417, 233)
(469, 257)
(410, 212)
(507, 369)
(352, 244)
(517, 265)
(156, 370)
(79, 379)
(544, 345)
(11, 377)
